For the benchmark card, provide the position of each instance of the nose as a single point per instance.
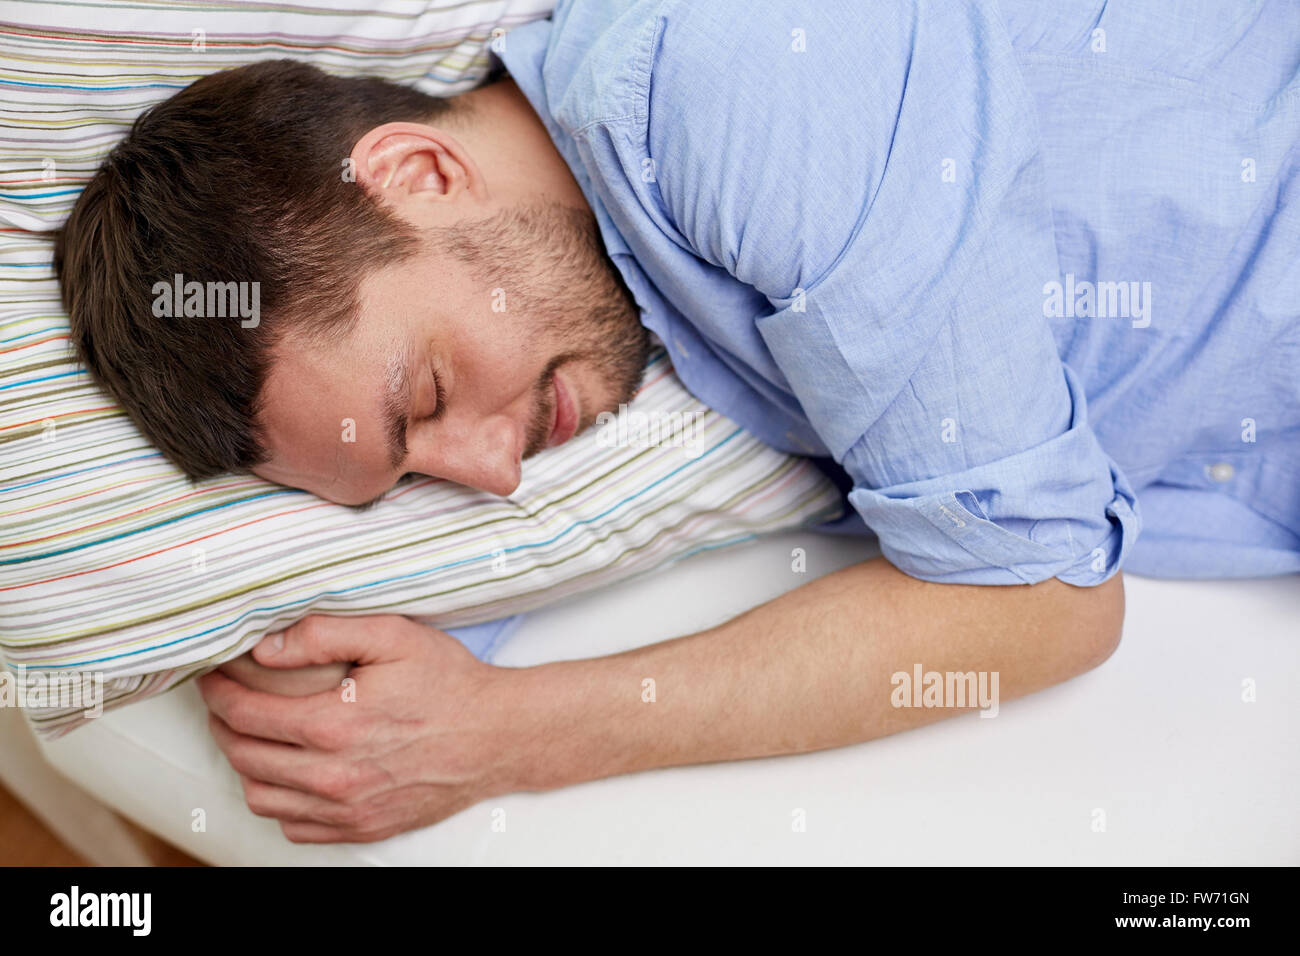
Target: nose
(485, 454)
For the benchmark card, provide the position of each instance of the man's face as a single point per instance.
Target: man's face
(499, 338)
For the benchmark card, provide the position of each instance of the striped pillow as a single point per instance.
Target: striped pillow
(113, 566)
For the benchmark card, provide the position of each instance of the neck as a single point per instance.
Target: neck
(513, 149)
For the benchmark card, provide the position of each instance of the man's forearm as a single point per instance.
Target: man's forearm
(807, 671)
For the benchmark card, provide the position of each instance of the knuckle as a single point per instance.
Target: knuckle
(292, 833)
(353, 817)
(336, 815)
(237, 715)
(308, 629)
(369, 828)
(332, 782)
(259, 807)
(370, 817)
(392, 627)
(237, 759)
(356, 785)
(256, 797)
(329, 735)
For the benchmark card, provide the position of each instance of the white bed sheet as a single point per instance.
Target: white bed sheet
(1158, 739)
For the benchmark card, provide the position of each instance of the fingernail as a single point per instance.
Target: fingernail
(274, 644)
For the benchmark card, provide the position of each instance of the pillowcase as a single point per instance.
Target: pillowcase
(114, 567)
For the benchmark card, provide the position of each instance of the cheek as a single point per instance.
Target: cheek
(492, 367)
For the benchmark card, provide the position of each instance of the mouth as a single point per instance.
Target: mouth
(565, 419)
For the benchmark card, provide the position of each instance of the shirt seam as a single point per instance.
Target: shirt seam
(604, 121)
(638, 77)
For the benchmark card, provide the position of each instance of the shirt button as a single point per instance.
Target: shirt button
(1221, 471)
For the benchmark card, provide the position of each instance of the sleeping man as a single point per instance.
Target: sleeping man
(1009, 270)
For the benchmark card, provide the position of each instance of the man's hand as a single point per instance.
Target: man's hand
(414, 736)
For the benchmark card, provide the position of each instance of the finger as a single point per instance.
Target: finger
(270, 761)
(304, 832)
(254, 713)
(327, 638)
(285, 803)
(288, 682)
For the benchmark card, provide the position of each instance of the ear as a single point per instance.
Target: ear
(400, 161)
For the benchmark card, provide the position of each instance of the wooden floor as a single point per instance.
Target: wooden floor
(25, 841)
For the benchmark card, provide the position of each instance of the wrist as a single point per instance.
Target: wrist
(557, 724)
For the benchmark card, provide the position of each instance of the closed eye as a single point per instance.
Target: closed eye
(440, 396)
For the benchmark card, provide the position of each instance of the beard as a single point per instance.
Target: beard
(552, 263)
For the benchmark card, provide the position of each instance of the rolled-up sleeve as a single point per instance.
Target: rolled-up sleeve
(1059, 509)
(899, 225)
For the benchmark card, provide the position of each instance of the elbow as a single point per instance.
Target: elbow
(1104, 622)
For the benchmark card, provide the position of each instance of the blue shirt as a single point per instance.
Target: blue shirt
(1029, 273)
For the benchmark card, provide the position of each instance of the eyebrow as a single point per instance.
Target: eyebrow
(397, 406)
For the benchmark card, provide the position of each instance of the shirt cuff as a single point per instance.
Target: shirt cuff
(1062, 509)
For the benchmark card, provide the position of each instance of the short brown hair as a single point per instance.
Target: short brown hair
(240, 177)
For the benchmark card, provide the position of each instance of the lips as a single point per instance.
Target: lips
(566, 415)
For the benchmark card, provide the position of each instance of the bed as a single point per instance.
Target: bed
(1179, 750)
